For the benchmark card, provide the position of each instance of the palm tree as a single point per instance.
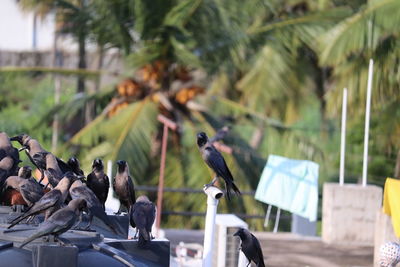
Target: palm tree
(371, 32)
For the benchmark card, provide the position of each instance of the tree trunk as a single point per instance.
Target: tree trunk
(91, 105)
(57, 62)
(81, 63)
(397, 168)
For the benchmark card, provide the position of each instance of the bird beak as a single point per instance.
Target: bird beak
(236, 234)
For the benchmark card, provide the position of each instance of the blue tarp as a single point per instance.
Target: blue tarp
(291, 185)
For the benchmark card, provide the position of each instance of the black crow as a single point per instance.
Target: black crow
(80, 190)
(98, 181)
(250, 247)
(50, 202)
(9, 158)
(142, 214)
(123, 186)
(75, 166)
(217, 163)
(60, 222)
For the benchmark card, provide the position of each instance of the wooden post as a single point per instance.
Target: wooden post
(172, 125)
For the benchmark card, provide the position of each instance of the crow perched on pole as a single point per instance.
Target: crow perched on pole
(250, 247)
(142, 214)
(60, 222)
(217, 163)
(123, 186)
(98, 181)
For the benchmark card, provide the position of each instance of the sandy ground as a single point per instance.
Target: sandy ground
(285, 249)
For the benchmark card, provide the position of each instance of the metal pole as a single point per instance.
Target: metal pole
(161, 181)
(278, 215)
(343, 137)
(367, 118)
(213, 194)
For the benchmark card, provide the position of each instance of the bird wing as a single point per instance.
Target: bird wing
(63, 217)
(151, 215)
(217, 162)
(49, 199)
(258, 251)
(107, 184)
(85, 193)
(131, 191)
(140, 218)
(64, 167)
(31, 191)
(90, 178)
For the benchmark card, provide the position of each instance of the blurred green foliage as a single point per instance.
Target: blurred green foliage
(274, 71)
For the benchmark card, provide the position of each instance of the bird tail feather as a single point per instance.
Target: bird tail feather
(99, 213)
(30, 239)
(144, 237)
(231, 186)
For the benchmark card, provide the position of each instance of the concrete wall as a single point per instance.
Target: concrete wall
(384, 233)
(349, 213)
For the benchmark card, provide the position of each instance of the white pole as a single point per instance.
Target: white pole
(213, 194)
(112, 204)
(367, 117)
(343, 137)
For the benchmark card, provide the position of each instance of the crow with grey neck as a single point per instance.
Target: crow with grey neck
(48, 162)
(80, 190)
(142, 214)
(30, 190)
(9, 158)
(98, 181)
(123, 186)
(250, 247)
(60, 222)
(32, 147)
(50, 202)
(217, 163)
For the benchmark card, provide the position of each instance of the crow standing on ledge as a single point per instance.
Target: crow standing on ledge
(143, 214)
(123, 186)
(250, 247)
(75, 166)
(60, 222)
(217, 163)
(51, 201)
(98, 181)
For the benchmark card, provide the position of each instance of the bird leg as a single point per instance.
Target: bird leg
(61, 240)
(78, 223)
(119, 211)
(90, 222)
(135, 236)
(30, 218)
(46, 186)
(214, 180)
(151, 235)
(248, 264)
(41, 176)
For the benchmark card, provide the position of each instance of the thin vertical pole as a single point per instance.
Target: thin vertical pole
(161, 181)
(343, 137)
(367, 118)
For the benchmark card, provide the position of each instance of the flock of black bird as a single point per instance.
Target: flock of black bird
(68, 192)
